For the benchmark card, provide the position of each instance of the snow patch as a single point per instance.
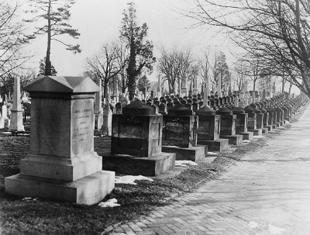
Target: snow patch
(185, 163)
(29, 199)
(253, 225)
(130, 179)
(212, 154)
(275, 230)
(109, 203)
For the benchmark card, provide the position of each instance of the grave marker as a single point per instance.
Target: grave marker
(62, 164)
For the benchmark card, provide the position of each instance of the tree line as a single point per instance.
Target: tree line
(274, 34)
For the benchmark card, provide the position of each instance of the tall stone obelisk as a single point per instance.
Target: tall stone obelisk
(16, 111)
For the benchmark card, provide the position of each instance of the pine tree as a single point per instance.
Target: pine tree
(140, 50)
(56, 14)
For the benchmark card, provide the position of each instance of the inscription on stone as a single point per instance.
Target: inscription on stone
(82, 121)
(174, 131)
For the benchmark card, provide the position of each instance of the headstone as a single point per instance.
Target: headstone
(5, 121)
(62, 164)
(98, 107)
(252, 120)
(137, 141)
(106, 128)
(209, 130)
(241, 123)
(16, 111)
(180, 134)
(228, 126)
(162, 108)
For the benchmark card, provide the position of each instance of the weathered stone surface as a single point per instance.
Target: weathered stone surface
(140, 136)
(61, 163)
(241, 122)
(228, 125)
(180, 131)
(208, 128)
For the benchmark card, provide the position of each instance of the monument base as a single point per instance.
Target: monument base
(215, 145)
(265, 131)
(269, 128)
(196, 153)
(88, 190)
(256, 132)
(233, 139)
(68, 169)
(246, 135)
(147, 166)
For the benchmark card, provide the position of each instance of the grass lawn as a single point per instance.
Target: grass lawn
(38, 216)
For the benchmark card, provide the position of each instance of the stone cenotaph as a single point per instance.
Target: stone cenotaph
(61, 164)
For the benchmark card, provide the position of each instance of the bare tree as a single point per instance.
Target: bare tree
(105, 65)
(12, 38)
(273, 30)
(175, 66)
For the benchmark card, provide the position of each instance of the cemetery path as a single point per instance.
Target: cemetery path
(266, 192)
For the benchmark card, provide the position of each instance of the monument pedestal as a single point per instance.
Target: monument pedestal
(233, 139)
(256, 132)
(215, 145)
(133, 165)
(246, 135)
(87, 190)
(62, 164)
(194, 153)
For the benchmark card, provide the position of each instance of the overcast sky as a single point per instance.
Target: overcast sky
(99, 21)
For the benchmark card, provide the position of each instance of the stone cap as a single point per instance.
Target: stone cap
(58, 84)
(238, 110)
(180, 110)
(249, 109)
(224, 111)
(205, 111)
(138, 108)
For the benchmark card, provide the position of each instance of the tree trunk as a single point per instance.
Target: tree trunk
(290, 88)
(283, 84)
(48, 64)
(131, 71)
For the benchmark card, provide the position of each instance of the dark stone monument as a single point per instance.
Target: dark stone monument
(180, 134)
(241, 123)
(137, 141)
(228, 126)
(252, 127)
(209, 130)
